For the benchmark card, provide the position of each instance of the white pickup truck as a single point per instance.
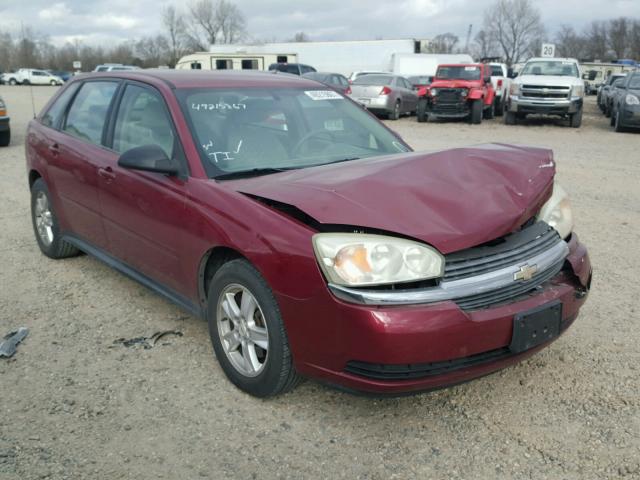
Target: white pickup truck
(501, 83)
(552, 86)
(31, 76)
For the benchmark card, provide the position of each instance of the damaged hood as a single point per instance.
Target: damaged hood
(453, 199)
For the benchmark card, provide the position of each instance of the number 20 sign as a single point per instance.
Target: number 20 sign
(548, 50)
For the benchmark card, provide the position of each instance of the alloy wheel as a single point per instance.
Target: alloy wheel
(43, 219)
(243, 330)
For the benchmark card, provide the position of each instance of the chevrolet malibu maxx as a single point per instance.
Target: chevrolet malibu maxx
(312, 239)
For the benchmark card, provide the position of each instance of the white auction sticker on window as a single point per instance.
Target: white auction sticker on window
(323, 95)
(469, 69)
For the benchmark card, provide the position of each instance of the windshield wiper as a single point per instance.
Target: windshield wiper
(254, 172)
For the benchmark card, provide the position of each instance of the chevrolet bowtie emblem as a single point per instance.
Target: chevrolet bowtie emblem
(525, 273)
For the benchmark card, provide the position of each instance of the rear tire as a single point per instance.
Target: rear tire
(489, 113)
(576, 119)
(5, 138)
(421, 113)
(13, 81)
(268, 371)
(498, 107)
(45, 224)
(475, 117)
(395, 113)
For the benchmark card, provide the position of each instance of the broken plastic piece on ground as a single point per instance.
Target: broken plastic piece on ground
(146, 342)
(11, 341)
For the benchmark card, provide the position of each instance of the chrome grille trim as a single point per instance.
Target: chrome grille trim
(468, 292)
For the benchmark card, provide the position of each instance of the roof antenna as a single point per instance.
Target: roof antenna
(33, 102)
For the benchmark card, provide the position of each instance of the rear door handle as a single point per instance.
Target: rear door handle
(54, 149)
(107, 173)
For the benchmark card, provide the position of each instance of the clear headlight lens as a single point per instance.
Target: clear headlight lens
(358, 259)
(514, 89)
(632, 100)
(577, 91)
(434, 92)
(557, 211)
(464, 92)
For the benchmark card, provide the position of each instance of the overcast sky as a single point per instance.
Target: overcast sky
(106, 21)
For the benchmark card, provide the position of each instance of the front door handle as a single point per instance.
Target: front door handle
(107, 173)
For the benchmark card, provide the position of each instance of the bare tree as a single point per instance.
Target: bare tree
(174, 25)
(233, 25)
(443, 43)
(569, 43)
(202, 13)
(618, 33)
(596, 40)
(634, 39)
(300, 37)
(484, 45)
(515, 26)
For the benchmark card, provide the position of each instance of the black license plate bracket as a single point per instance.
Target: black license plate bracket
(536, 326)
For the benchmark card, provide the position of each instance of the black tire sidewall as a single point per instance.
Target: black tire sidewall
(269, 381)
(476, 112)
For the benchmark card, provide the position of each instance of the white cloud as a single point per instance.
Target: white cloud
(56, 13)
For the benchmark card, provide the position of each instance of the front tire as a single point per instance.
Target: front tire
(617, 126)
(475, 117)
(53, 83)
(45, 224)
(247, 331)
(576, 119)
(510, 118)
(421, 113)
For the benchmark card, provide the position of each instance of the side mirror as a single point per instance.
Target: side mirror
(487, 80)
(149, 158)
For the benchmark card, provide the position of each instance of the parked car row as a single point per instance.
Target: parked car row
(619, 100)
(31, 76)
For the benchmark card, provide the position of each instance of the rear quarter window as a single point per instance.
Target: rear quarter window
(53, 115)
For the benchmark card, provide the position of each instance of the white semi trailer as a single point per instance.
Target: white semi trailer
(339, 56)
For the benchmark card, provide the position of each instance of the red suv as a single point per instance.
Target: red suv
(458, 91)
(307, 234)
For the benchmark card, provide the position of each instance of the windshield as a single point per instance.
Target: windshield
(458, 73)
(421, 80)
(562, 69)
(242, 130)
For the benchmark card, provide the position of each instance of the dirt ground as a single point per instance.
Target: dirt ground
(77, 406)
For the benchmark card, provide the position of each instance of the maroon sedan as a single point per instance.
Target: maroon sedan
(309, 236)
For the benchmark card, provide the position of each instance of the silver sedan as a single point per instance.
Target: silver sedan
(391, 95)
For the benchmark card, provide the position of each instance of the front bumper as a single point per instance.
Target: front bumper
(4, 124)
(630, 116)
(350, 344)
(567, 106)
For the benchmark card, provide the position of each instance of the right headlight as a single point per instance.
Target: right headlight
(632, 99)
(557, 211)
(514, 89)
(359, 259)
(577, 91)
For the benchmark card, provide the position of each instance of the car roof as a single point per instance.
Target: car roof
(208, 78)
(460, 65)
(552, 59)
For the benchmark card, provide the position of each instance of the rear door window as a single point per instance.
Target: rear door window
(142, 120)
(87, 115)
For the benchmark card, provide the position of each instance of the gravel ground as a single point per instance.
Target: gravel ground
(76, 405)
